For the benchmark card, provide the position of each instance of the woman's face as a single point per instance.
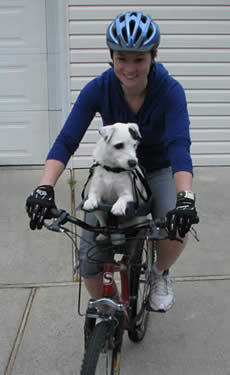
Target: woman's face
(132, 68)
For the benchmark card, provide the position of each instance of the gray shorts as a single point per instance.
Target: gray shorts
(92, 256)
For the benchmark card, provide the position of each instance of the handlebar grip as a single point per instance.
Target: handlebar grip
(196, 220)
(55, 213)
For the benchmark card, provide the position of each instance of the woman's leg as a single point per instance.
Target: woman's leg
(164, 193)
(94, 286)
(91, 258)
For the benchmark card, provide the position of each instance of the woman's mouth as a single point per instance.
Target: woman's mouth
(130, 77)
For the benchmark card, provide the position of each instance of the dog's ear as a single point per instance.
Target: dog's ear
(134, 131)
(106, 132)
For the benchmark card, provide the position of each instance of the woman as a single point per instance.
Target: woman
(136, 89)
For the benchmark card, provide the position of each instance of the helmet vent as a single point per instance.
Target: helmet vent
(132, 25)
(138, 34)
(122, 18)
(149, 34)
(114, 32)
(143, 19)
(124, 34)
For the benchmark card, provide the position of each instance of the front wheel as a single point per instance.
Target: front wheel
(100, 357)
(140, 277)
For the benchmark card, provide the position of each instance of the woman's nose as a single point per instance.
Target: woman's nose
(130, 67)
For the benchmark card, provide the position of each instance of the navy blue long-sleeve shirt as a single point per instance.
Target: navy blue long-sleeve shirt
(163, 119)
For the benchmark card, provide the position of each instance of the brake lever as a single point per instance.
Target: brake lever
(55, 226)
(194, 234)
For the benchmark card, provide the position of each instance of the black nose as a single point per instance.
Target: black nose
(132, 163)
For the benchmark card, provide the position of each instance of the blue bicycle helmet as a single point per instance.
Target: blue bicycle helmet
(133, 31)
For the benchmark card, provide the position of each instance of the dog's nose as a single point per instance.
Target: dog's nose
(132, 163)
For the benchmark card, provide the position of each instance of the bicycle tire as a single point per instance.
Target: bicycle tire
(140, 276)
(96, 361)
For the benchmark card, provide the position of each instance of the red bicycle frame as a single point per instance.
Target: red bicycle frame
(109, 285)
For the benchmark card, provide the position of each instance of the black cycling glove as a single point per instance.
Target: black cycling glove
(38, 204)
(183, 216)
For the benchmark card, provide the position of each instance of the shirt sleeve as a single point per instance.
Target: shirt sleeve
(76, 124)
(177, 139)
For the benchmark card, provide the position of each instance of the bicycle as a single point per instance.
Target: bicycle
(107, 318)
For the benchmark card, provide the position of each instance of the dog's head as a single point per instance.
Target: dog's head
(118, 145)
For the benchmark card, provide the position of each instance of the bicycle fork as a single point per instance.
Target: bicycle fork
(110, 308)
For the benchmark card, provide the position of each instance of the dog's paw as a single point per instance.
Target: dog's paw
(119, 208)
(90, 204)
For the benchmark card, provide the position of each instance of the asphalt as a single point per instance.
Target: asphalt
(40, 329)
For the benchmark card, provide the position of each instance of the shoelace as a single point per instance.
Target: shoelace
(161, 285)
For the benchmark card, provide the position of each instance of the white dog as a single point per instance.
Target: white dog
(111, 181)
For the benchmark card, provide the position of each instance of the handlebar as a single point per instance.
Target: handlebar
(61, 217)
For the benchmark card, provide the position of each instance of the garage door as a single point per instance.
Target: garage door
(194, 48)
(24, 135)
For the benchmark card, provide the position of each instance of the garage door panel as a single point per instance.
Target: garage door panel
(27, 136)
(92, 135)
(210, 135)
(167, 27)
(147, 2)
(81, 161)
(199, 109)
(210, 148)
(164, 55)
(193, 96)
(16, 18)
(167, 41)
(195, 69)
(159, 12)
(210, 160)
(23, 82)
(198, 148)
(215, 83)
(195, 50)
(208, 96)
(213, 122)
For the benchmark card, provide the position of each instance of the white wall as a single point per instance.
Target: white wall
(194, 48)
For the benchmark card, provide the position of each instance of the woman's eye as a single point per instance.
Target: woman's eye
(119, 146)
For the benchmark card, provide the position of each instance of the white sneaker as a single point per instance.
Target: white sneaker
(161, 294)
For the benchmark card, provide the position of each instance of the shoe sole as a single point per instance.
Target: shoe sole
(149, 308)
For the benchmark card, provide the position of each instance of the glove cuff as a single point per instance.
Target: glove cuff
(186, 195)
(46, 187)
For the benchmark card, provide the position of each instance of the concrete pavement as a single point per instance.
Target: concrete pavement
(40, 331)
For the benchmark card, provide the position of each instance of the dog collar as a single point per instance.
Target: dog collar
(110, 169)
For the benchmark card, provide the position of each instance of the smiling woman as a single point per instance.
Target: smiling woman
(132, 69)
(135, 90)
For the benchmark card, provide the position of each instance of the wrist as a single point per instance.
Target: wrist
(186, 195)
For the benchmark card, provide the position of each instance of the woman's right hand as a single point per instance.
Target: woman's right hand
(38, 204)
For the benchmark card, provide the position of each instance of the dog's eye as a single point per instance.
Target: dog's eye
(119, 146)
